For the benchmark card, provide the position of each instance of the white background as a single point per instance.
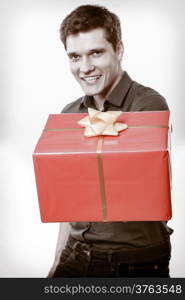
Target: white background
(36, 81)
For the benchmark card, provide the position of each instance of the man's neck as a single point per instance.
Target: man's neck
(99, 104)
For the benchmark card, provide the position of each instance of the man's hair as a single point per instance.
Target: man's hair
(88, 17)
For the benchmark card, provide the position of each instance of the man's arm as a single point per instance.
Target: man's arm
(64, 228)
(63, 235)
(147, 99)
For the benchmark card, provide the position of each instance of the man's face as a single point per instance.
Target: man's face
(93, 62)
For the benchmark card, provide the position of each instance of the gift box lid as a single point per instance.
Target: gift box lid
(147, 131)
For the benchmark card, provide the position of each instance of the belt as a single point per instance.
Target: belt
(140, 255)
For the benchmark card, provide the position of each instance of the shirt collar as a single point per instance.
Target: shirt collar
(116, 97)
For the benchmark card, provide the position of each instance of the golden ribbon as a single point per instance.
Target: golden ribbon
(102, 123)
(101, 178)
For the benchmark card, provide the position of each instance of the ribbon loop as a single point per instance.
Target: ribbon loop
(102, 123)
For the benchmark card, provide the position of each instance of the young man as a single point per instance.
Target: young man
(92, 38)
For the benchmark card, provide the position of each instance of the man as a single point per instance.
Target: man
(92, 38)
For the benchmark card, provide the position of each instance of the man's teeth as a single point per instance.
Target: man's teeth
(91, 78)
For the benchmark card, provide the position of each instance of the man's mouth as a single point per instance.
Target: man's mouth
(91, 79)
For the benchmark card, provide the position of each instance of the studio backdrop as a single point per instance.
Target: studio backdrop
(35, 81)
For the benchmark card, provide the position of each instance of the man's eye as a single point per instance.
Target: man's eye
(75, 58)
(97, 53)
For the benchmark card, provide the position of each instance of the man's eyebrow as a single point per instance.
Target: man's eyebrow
(97, 50)
(71, 54)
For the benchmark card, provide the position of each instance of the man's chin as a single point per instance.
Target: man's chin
(89, 92)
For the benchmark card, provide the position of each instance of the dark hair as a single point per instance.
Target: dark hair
(87, 17)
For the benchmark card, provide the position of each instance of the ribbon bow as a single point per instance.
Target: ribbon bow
(102, 123)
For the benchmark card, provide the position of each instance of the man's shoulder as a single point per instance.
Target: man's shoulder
(147, 99)
(72, 107)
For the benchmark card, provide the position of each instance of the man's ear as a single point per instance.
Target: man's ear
(120, 50)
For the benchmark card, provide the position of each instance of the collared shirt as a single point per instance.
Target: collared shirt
(128, 95)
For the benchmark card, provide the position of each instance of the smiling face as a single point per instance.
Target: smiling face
(94, 63)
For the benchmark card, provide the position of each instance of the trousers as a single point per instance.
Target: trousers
(82, 260)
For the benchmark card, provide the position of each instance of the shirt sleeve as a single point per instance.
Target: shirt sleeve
(147, 99)
(72, 107)
(153, 103)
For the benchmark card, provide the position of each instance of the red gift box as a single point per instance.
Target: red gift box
(104, 178)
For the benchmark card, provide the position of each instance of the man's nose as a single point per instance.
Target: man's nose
(86, 66)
